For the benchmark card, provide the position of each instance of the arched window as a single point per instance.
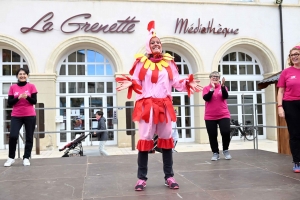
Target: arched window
(86, 83)
(86, 62)
(10, 62)
(182, 66)
(184, 114)
(240, 64)
(242, 72)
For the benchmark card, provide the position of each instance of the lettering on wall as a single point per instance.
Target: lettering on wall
(183, 26)
(78, 22)
(46, 27)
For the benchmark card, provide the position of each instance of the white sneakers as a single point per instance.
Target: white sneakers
(10, 161)
(26, 162)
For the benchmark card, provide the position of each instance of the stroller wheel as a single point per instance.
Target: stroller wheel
(158, 149)
(151, 151)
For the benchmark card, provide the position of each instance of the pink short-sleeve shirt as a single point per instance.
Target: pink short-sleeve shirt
(22, 108)
(290, 80)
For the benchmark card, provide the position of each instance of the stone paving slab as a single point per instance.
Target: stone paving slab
(251, 174)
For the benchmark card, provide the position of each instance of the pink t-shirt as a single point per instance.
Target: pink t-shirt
(290, 80)
(217, 107)
(22, 108)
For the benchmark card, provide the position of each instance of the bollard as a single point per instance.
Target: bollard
(129, 123)
(40, 126)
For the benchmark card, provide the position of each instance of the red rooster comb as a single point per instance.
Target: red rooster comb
(151, 25)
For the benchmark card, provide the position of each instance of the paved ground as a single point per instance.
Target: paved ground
(267, 145)
(250, 175)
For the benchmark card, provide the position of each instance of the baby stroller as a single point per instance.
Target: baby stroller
(75, 145)
(156, 148)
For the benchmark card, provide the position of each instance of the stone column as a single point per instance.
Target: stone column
(46, 87)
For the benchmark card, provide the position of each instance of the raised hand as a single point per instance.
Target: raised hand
(223, 81)
(124, 85)
(195, 86)
(212, 83)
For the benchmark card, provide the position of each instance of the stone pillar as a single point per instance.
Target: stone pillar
(124, 140)
(200, 134)
(46, 87)
(270, 112)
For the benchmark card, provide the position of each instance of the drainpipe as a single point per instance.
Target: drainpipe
(281, 32)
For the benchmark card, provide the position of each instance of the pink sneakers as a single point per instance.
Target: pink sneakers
(296, 168)
(140, 185)
(171, 183)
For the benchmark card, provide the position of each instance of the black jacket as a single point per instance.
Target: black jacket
(103, 135)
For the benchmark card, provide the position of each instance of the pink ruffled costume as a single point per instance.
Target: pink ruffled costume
(153, 109)
(153, 77)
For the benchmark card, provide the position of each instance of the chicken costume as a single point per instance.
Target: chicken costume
(153, 77)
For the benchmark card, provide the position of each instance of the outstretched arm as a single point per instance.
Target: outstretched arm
(188, 84)
(192, 85)
(127, 82)
(124, 85)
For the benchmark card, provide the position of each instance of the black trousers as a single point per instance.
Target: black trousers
(16, 124)
(212, 130)
(292, 116)
(167, 157)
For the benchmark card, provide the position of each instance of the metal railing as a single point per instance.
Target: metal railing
(244, 105)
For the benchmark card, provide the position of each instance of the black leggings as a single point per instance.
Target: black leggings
(167, 156)
(16, 124)
(292, 115)
(212, 130)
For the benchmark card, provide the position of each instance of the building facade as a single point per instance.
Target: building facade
(75, 49)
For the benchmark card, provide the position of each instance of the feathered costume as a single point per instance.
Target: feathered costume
(152, 79)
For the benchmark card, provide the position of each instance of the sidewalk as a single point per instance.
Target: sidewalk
(267, 145)
(250, 175)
